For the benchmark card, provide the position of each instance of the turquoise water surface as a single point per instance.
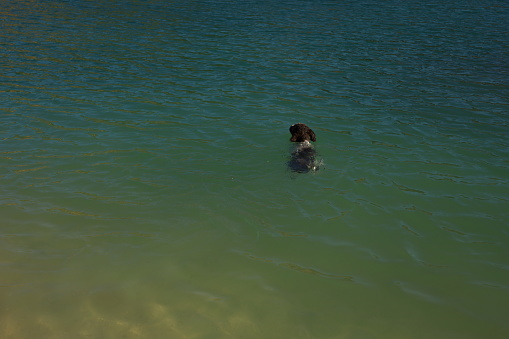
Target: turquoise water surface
(146, 193)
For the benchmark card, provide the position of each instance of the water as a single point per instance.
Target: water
(145, 192)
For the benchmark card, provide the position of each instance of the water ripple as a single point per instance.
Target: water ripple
(143, 160)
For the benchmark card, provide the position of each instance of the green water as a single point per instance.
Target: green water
(145, 187)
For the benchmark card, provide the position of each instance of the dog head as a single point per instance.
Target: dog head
(301, 133)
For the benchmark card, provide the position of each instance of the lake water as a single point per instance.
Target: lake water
(145, 191)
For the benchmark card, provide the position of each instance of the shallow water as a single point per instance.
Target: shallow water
(146, 194)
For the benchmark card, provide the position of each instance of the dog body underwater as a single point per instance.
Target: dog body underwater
(303, 156)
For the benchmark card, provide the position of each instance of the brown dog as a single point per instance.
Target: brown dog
(303, 156)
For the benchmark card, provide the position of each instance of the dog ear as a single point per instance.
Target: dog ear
(293, 130)
(312, 135)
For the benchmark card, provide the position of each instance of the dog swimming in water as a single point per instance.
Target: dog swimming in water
(303, 156)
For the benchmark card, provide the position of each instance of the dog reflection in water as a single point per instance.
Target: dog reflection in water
(303, 157)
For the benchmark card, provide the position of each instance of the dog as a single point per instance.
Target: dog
(303, 157)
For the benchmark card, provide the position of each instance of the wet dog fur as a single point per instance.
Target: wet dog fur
(303, 156)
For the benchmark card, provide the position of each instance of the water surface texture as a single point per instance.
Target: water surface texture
(145, 192)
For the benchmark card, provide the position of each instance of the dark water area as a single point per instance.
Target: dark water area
(146, 190)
